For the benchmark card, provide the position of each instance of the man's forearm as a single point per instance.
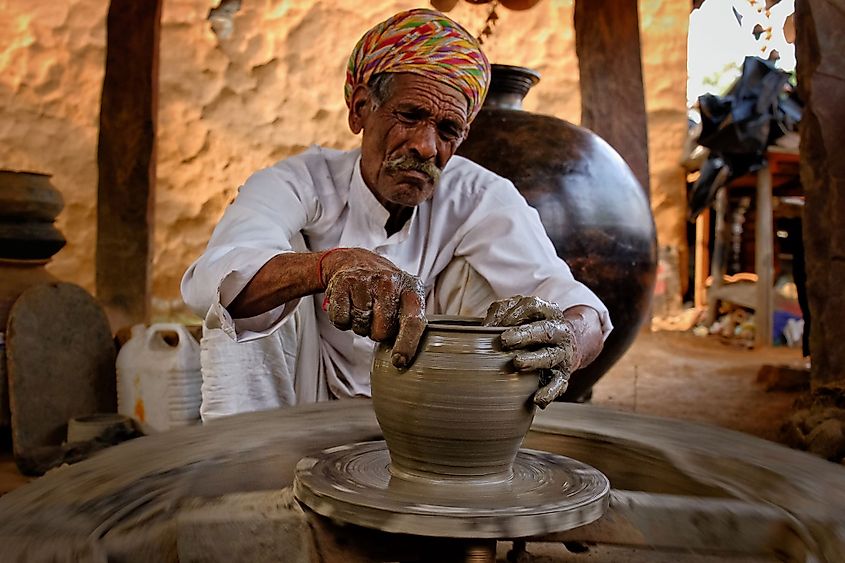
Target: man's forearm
(366, 293)
(283, 278)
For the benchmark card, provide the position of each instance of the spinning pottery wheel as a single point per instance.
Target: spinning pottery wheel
(547, 493)
(220, 492)
(451, 464)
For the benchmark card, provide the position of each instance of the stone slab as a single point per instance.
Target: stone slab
(256, 527)
(558, 553)
(61, 364)
(693, 524)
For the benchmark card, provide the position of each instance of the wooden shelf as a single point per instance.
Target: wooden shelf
(780, 177)
(784, 167)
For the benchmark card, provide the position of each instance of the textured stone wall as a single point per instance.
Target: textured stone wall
(229, 106)
(664, 27)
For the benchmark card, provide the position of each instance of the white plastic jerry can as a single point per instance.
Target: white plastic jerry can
(159, 378)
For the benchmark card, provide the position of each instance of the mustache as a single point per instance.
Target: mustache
(407, 162)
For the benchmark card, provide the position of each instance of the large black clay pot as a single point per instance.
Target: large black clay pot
(594, 210)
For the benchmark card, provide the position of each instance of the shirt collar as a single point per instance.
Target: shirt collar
(367, 209)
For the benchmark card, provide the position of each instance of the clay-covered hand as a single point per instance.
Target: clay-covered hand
(557, 342)
(371, 296)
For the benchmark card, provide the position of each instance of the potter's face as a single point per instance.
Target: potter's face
(409, 138)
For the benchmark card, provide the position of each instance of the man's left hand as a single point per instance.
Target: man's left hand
(557, 341)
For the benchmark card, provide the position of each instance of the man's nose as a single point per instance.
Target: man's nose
(423, 141)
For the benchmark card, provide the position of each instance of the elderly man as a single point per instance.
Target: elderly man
(327, 252)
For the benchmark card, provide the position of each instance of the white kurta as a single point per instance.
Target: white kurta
(474, 215)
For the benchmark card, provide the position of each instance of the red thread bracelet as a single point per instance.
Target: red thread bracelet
(320, 265)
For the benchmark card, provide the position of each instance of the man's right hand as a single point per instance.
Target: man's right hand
(371, 296)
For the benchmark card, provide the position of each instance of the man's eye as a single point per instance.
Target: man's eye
(450, 133)
(408, 116)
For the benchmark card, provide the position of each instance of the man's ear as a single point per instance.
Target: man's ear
(359, 108)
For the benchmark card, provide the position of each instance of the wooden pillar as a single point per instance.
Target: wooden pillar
(821, 79)
(717, 263)
(126, 159)
(764, 259)
(702, 254)
(607, 42)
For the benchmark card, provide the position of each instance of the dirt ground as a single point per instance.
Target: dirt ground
(679, 375)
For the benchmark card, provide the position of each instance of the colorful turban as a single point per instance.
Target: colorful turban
(423, 42)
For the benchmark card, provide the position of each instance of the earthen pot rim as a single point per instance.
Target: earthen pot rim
(24, 172)
(24, 262)
(455, 323)
(525, 71)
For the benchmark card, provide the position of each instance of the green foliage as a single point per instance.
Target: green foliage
(719, 82)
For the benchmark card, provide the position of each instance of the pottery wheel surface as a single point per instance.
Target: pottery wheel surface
(548, 493)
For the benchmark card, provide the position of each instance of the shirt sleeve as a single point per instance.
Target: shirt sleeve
(505, 242)
(270, 210)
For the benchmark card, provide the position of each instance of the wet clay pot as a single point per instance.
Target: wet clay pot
(460, 410)
(595, 212)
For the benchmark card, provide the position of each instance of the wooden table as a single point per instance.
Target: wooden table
(779, 177)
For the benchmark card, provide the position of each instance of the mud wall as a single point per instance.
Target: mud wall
(663, 39)
(52, 58)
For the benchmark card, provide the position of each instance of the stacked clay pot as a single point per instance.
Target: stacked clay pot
(29, 205)
(594, 210)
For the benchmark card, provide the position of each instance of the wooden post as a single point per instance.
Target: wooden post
(717, 264)
(763, 261)
(821, 81)
(607, 41)
(702, 257)
(126, 160)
